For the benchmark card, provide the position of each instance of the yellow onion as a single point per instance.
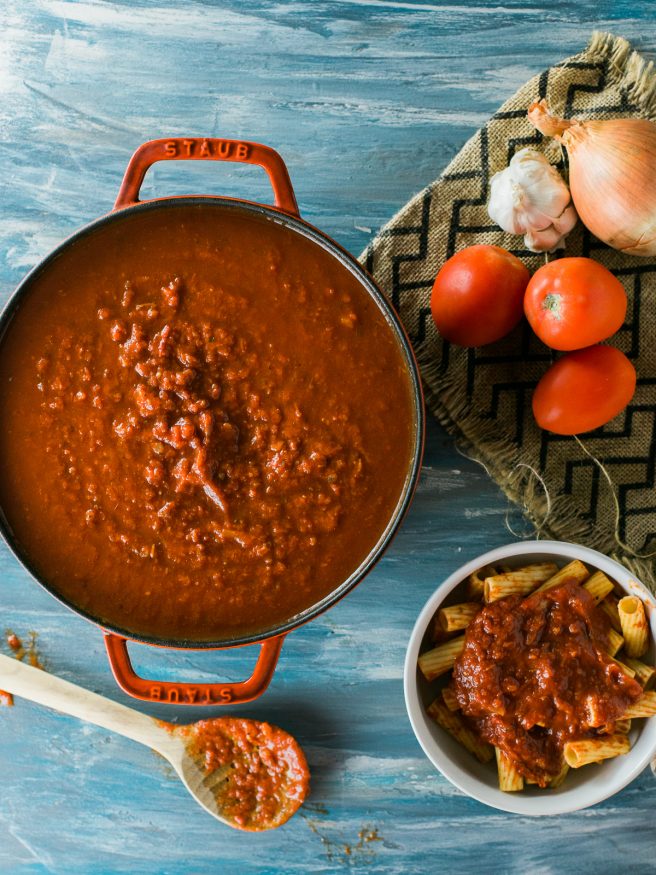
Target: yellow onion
(612, 176)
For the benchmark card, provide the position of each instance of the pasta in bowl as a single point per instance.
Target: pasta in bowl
(528, 663)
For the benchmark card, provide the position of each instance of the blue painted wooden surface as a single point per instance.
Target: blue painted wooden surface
(367, 101)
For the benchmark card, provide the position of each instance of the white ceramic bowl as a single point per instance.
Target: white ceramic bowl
(584, 786)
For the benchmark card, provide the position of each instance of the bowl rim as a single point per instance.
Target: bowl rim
(568, 800)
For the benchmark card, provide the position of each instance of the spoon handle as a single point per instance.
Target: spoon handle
(53, 692)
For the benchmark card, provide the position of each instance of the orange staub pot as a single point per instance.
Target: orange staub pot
(283, 215)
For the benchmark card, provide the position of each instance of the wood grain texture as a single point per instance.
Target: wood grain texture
(367, 101)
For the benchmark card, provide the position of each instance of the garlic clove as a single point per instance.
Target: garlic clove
(544, 240)
(566, 221)
(544, 184)
(505, 203)
(530, 198)
(535, 219)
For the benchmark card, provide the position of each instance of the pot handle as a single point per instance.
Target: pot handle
(207, 149)
(192, 694)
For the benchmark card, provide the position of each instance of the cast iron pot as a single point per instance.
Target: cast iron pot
(284, 212)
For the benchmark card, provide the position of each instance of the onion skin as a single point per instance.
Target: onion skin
(612, 176)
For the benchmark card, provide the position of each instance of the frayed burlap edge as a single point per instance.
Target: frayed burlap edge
(627, 68)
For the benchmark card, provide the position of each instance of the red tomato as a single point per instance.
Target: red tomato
(574, 302)
(477, 295)
(583, 390)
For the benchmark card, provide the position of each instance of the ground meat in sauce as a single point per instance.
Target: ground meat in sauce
(204, 425)
(534, 674)
(268, 776)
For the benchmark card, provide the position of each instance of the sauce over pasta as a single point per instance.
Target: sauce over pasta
(534, 674)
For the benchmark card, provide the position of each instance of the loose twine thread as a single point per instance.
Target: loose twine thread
(540, 523)
(616, 505)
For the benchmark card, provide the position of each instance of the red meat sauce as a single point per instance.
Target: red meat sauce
(267, 776)
(205, 425)
(534, 674)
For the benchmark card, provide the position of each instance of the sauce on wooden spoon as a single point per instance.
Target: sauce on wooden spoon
(257, 773)
(248, 774)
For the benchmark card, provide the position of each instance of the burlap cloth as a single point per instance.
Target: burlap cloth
(598, 490)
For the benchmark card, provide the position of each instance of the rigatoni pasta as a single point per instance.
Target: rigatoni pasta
(644, 674)
(558, 779)
(455, 726)
(450, 699)
(522, 581)
(613, 644)
(644, 707)
(456, 617)
(625, 668)
(634, 625)
(599, 586)
(594, 750)
(476, 582)
(609, 606)
(510, 780)
(574, 571)
(441, 658)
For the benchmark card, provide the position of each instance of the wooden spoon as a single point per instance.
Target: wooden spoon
(247, 774)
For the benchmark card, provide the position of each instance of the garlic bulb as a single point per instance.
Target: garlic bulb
(530, 197)
(612, 176)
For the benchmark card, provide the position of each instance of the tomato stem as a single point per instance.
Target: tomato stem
(552, 303)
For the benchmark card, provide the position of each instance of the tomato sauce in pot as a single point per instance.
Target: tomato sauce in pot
(206, 424)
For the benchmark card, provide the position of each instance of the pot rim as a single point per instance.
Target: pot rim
(309, 231)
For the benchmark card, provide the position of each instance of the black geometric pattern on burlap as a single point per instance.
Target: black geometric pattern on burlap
(483, 396)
